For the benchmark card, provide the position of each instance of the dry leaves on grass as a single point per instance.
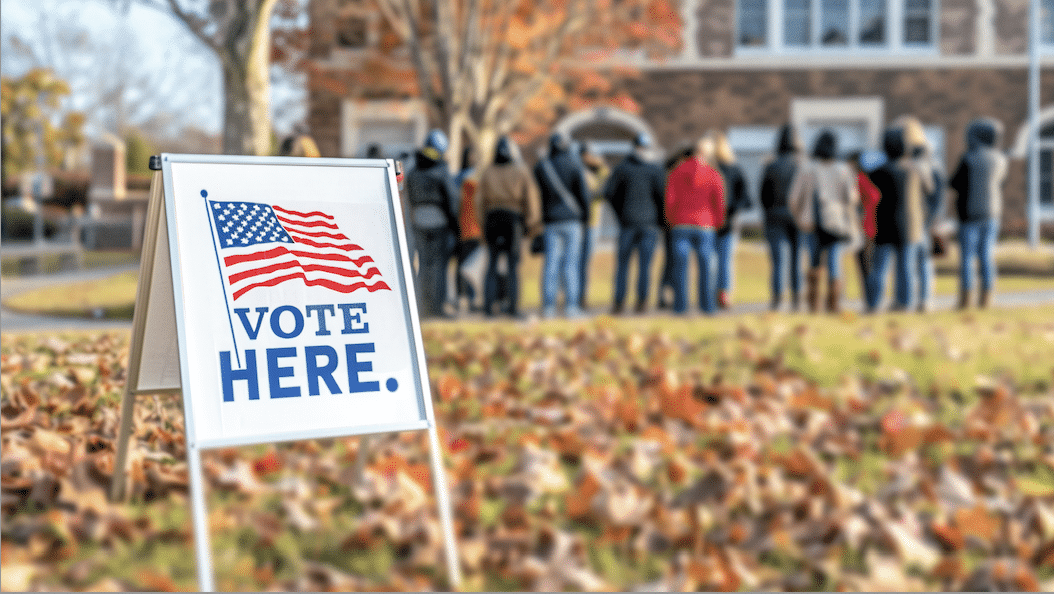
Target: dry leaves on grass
(597, 460)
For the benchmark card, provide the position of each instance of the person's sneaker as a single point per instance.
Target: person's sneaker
(723, 299)
(548, 313)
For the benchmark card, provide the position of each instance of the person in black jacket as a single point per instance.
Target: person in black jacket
(781, 231)
(636, 192)
(565, 208)
(900, 219)
(433, 202)
(978, 181)
(737, 199)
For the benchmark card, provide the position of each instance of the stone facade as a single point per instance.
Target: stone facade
(680, 105)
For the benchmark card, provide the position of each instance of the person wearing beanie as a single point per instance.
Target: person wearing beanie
(636, 191)
(565, 210)
(781, 231)
(508, 199)
(433, 216)
(825, 204)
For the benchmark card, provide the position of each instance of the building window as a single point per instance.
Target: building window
(753, 23)
(1046, 22)
(838, 24)
(1046, 167)
(796, 20)
(918, 15)
(873, 22)
(834, 27)
(353, 32)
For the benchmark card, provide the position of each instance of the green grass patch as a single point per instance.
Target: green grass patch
(108, 298)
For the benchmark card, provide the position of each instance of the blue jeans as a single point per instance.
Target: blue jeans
(922, 264)
(977, 240)
(726, 251)
(701, 241)
(832, 249)
(644, 240)
(563, 258)
(782, 237)
(885, 253)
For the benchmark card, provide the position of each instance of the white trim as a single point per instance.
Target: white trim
(1019, 150)
(849, 109)
(573, 121)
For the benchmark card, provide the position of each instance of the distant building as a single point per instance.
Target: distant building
(749, 66)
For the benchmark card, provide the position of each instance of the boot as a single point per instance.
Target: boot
(985, 298)
(812, 289)
(964, 299)
(834, 296)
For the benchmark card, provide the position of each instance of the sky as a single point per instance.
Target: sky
(163, 68)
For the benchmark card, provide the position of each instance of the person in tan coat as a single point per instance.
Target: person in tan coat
(824, 202)
(510, 204)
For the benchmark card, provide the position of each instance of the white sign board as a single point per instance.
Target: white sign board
(292, 300)
(275, 293)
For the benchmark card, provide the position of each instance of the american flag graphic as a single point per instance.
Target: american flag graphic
(263, 246)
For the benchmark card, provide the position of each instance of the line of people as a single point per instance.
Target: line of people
(886, 213)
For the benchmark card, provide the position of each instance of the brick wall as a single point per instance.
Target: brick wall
(681, 105)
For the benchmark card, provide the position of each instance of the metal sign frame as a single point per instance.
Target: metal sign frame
(162, 222)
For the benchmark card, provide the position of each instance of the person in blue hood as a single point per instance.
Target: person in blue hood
(565, 210)
(433, 205)
(978, 183)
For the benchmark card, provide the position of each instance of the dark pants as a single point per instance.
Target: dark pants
(434, 247)
(503, 232)
(643, 240)
(785, 246)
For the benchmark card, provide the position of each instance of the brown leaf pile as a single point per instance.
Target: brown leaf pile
(597, 460)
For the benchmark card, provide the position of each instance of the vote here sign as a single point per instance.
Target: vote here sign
(292, 299)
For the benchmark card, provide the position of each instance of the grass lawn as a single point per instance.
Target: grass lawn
(1021, 269)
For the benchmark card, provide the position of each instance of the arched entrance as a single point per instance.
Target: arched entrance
(610, 132)
(1019, 150)
(608, 129)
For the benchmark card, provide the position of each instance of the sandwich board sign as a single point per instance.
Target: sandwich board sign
(276, 295)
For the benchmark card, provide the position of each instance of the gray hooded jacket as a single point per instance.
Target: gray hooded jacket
(978, 180)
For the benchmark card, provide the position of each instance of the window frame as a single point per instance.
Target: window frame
(894, 44)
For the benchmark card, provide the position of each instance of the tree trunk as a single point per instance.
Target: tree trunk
(245, 58)
(238, 137)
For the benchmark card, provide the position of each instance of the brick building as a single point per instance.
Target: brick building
(748, 66)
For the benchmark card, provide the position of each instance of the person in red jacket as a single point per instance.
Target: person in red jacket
(695, 208)
(869, 197)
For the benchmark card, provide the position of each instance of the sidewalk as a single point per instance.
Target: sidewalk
(12, 322)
